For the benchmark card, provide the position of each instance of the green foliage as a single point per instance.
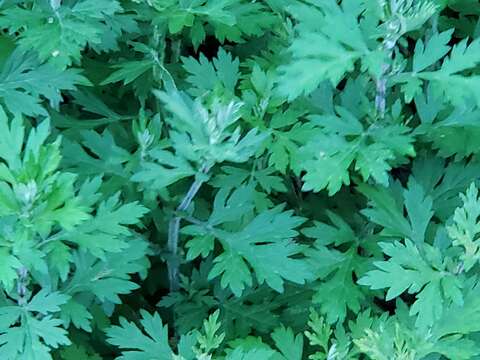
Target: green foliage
(344, 141)
(25, 81)
(238, 180)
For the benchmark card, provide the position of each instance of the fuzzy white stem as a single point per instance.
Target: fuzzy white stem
(173, 264)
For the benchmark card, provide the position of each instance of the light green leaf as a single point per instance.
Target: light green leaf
(150, 344)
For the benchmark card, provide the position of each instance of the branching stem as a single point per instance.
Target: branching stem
(381, 95)
(22, 285)
(173, 263)
(393, 28)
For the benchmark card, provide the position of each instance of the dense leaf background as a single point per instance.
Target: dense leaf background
(239, 180)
